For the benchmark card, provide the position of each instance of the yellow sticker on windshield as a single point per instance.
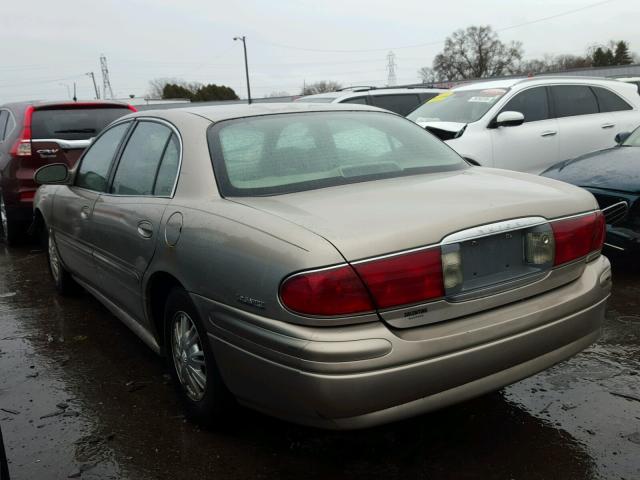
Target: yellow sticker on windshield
(439, 98)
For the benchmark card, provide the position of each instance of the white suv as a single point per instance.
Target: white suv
(398, 100)
(530, 124)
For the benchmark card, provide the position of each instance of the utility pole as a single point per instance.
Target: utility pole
(75, 97)
(391, 69)
(246, 66)
(106, 84)
(95, 86)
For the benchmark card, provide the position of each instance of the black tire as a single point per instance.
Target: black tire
(11, 232)
(212, 405)
(62, 280)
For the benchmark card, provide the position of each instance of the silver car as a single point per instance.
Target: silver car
(336, 266)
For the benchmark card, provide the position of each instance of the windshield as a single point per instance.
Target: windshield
(285, 153)
(633, 140)
(462, 106)
(316, 99)
(73, 123)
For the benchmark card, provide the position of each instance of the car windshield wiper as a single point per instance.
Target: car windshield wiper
(77, 130)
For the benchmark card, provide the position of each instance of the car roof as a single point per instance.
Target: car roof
(360, 91)
(518, 82)
(218, 113)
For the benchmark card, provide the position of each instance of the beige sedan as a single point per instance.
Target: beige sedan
(331, 265)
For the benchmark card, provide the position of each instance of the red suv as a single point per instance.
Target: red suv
(33, 134)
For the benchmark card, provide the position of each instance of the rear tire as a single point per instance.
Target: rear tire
(64, 283)
(192, 364)
(11, 232)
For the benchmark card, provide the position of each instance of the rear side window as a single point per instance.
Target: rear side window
(609, 101)
(358, 100)
(73, 123)
(532, 103)
(94, 166)
(570, 100)
(136, 172)
(402, 104)
(168, 170)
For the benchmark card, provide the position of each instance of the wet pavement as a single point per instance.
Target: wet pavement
(82, 397)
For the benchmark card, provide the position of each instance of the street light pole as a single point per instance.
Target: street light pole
(95, 86)
(246, 65)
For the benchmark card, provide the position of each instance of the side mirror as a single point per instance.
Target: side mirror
(621, 137)
(509, 119)
(53, 174)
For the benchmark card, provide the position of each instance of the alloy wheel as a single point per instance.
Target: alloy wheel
(188, 356)
(54, 260)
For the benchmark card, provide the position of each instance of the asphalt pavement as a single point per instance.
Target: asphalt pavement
(82, 397)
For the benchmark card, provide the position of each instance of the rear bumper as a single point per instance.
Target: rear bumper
(368, 374)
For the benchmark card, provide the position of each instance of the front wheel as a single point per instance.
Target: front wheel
(192, 364)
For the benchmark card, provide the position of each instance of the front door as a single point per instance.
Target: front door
(532, 146)
(127, 218)
(73, 205)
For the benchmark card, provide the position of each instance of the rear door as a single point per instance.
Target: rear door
(73, 205)
(532, 146)
(581, 126)
(623, 117)
(127, 217)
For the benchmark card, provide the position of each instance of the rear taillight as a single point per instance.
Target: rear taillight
(132, 108)
(578, 236)
(22, 147)
(327, 292)
(403, 279)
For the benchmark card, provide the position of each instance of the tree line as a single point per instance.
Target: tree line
(196, 92)
(477, 52)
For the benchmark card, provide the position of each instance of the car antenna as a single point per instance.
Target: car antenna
(75, 98)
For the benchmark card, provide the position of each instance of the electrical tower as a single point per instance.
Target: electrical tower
(106, 84)
(391, 69)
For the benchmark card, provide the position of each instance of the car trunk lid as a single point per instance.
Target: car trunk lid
(375, 218)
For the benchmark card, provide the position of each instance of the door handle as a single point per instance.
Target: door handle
(548, 133)
(608, 125)
(84, 212)
(145, 229)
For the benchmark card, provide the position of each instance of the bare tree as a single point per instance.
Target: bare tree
(475, 53)
(428, 75)
(322, 86)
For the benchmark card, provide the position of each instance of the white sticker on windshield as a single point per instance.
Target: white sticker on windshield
(482, 99)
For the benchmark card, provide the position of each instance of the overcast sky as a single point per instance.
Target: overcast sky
(47, 45)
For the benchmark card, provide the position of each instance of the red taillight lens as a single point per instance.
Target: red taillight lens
(335, 291)
(403, 279)
(27, 195)
(22, 147)
(576, 237)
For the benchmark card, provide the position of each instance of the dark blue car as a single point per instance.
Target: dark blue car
(613, 176)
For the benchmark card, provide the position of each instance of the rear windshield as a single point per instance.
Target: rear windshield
(463, 106)
(285, 153)
(73, 123)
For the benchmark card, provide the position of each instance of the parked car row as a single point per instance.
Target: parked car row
(33, 134)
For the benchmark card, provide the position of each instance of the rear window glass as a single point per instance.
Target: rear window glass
(73, 123)
(276, 154)
(609, 101)
(399, 103)
(573, 100)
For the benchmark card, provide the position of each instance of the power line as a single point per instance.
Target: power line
(439, 42)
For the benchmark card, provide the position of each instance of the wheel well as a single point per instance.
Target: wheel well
(158, 288)
(37, 228)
